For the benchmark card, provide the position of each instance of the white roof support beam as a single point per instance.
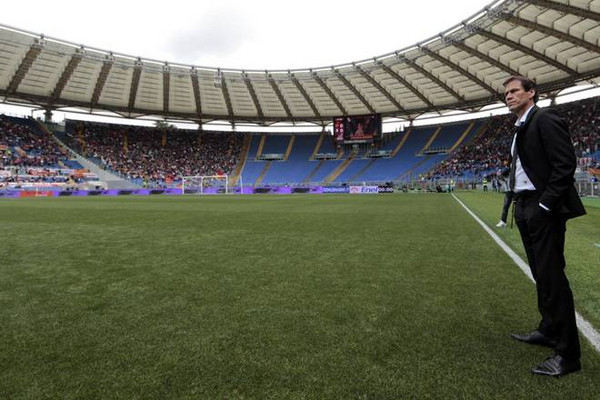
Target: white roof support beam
(354, 90)
(279, 95)
(376, 84)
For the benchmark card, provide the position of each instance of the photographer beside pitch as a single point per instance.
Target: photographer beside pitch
(543, 163)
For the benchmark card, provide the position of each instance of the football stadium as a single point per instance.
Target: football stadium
(313, 233)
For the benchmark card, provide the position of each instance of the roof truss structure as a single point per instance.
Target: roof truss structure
(557, 42)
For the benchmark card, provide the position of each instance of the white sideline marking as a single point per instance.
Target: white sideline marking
(597, 244)
(584, 326)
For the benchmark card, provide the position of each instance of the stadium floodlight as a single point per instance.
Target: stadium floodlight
(205, 184)
(218, 82)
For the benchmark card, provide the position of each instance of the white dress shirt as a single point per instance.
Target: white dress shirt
(522, 181)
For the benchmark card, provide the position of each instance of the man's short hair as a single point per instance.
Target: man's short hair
(527, 84)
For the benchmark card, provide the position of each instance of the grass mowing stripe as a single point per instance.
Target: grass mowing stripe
(307, 297)
(585, 327)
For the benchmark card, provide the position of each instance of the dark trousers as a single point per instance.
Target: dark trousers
(508, 198)
(543, 236)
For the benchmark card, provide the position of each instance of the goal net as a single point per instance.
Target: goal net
(205, 184)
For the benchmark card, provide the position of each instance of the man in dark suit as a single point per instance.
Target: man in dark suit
(543, 162)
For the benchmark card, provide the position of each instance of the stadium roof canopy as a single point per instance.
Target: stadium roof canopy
(556, 42)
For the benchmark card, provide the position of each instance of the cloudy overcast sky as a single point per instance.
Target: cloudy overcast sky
(247, 34)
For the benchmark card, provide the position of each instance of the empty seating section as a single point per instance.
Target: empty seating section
(477, 127)
(325, 168)
(353, 170)
(297, 168)
(389, 169)
(254, 146)
(447, 137)
(253, 168)
(327, 146)
(298, 165)
(426, 164)
(383, 169)
(408, 163)
(289, 172)
(276, 144)
(394, 142)
(252, 171)
(303, 147)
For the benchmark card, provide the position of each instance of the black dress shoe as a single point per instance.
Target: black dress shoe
(535, 337)
(556, 366)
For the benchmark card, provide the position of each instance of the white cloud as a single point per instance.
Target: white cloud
(258, 34)
(211, 36)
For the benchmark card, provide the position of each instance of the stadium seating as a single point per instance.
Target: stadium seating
(484, 156)
(297, 166)
(26, 146)
(402, 154)
(155, 157)
(31, 159)
(467, 150)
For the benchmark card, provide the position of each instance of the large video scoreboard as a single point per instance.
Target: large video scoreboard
(357, 129)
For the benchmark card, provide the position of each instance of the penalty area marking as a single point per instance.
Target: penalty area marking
(584, 326)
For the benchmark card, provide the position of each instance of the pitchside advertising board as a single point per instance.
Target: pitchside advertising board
(4, 193)
(358, 189)
(364, 190)
(336, 189)
(370, 189)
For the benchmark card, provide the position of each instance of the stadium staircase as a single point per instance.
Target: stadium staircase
(240, 166)
(112, 181)
(463, 136)
(482, 131)
(430, 141)
(314, 171)
(414, 168)
(289, 148)
(263, 173)
(317, 147)
(362, 171)
(338, 171)
(401, 144)
(261, 145)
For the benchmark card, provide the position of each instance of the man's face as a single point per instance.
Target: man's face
(517, 99)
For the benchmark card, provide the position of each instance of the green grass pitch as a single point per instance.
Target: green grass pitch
(276, 297)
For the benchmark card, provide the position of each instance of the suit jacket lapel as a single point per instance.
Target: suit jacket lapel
(523, 127)
(521, 130)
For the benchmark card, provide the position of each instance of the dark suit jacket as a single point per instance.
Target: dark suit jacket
(547, 155)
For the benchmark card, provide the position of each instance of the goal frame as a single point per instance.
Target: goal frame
(202, 179)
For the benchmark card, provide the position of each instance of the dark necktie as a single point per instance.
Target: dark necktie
(513, 166)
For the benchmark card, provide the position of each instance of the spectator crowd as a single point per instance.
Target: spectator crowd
(22, 146)
(162, 156)
(484, 157)
(28, 155)
(156, 156)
